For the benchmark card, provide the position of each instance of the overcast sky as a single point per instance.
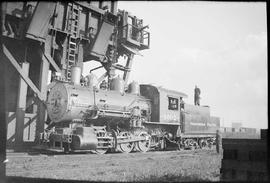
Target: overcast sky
(219, 46)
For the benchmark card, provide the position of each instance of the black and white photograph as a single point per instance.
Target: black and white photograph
(133, 91)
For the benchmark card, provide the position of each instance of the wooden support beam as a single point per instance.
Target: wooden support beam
(43, 79)
(52, 62)
(22, 92)
(20, 111)
(44, 71)
(22, 74)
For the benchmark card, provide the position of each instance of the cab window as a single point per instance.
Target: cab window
(173, 103)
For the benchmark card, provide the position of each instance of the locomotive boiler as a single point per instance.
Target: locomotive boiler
(142, 117)
(68, 102)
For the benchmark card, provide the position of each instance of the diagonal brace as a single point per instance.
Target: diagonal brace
(22, 74)
(52, 62)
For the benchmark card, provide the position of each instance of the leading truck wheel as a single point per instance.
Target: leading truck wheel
(102, 142)
(144, 145)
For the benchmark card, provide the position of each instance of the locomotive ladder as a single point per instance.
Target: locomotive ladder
(73, 28)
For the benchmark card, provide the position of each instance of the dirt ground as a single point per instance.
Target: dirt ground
(187, 165)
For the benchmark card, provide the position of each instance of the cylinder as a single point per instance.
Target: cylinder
(85, 139)
(134, 88)
(76, 75)
(117, 84)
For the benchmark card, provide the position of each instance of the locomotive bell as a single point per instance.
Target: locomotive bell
(76, 75)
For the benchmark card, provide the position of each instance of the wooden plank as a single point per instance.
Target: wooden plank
(20, 111)
(248, 147)
(232, 174)
(244, 144)
(264, 134)
(227, 174)
(22, 92)
(22, 74)
(245, 155)
(245, 165)
(241, 175)
(44, 68)
(44, 71)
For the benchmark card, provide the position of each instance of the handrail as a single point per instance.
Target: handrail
(144, 35)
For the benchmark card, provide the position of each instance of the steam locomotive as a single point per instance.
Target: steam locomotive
(140, 118)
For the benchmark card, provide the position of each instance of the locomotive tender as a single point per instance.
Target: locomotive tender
(142, 117)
